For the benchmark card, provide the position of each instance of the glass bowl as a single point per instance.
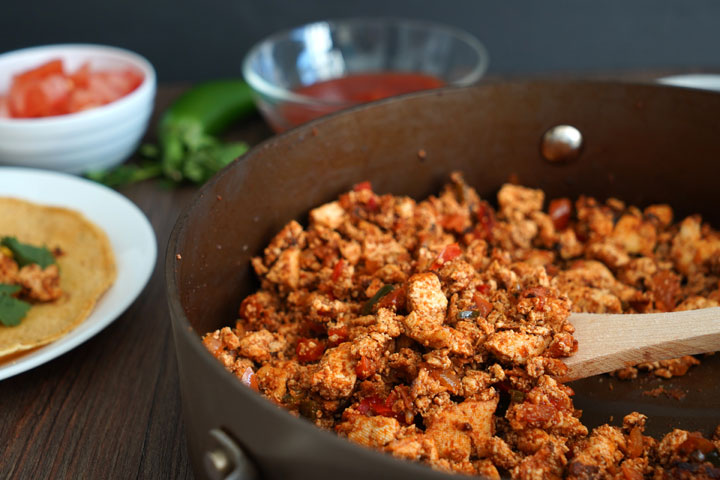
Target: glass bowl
(408, 55)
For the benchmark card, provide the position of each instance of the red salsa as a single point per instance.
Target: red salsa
(366, 87)
(352, 90)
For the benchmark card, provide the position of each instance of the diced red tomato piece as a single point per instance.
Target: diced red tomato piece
(537, 291)
(365, 405)
(378, 406)
(309, 349)
(486, 221)
(359, 187)
(537, 415)
(81, 78)
(337, 270)
(385, 409)
(43, 98)
(337, 335)
(369, 200)
(484, 307)
(364, 368)
(84, 99)
(53, 67)
(448, 254)
(40, 92)
(559, 211)
(119, 82)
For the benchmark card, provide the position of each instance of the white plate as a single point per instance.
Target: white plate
(703, 81)
(131, 236)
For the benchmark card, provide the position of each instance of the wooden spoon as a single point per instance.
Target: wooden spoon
(607, 342)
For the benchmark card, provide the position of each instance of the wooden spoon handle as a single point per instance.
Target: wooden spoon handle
(609, 342)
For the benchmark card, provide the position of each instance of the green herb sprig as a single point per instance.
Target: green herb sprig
(368, 306)
(12, 310)
(25, 254)
(189, 148)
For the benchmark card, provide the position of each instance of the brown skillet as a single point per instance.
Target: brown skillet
(642, 143)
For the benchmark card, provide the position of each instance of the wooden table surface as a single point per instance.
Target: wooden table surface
(110, 408)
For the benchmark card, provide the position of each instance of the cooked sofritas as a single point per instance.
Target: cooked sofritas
(433, 330)
(37, 283)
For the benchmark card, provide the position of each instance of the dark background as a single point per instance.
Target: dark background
(190, 40)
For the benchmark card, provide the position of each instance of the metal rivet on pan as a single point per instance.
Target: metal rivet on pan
(217, 463)
(227, 461)
(561, 144)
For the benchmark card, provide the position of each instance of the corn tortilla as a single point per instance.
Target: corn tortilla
(87, 269)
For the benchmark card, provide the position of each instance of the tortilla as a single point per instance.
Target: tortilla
(87, 269)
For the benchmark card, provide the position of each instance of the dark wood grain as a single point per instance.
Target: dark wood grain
(110, 408)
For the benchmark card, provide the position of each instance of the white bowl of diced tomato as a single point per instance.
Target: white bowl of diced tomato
(73, 107)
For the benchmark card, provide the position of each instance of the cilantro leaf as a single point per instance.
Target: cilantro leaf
(25, 254)
(6, 289)
(12, 310)
(367, 308)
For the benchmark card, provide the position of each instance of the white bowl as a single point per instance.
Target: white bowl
(93, 139)
(703, 81)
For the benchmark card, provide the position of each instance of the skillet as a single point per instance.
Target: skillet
(640, 143)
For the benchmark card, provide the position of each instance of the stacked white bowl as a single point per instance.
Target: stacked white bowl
(93, 139)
